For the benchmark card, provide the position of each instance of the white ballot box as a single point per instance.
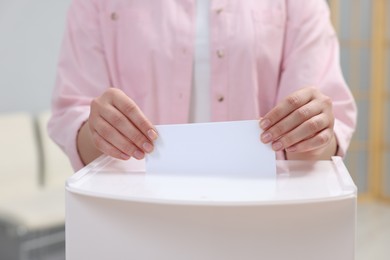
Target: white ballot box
(114, 210)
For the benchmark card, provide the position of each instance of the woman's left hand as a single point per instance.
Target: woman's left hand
(301, 123)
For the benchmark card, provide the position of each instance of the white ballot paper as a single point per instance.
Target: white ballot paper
(228, 149)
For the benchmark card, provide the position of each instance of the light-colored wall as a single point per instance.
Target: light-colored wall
(31, 32)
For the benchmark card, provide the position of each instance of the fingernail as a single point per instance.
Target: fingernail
(265, 123)
(138, 155)
(266, 137)
(152, 134)
(147, 147)
(277, 146)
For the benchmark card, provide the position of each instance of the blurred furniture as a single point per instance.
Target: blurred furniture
(32, 213)
(56, 166)
(19, 155)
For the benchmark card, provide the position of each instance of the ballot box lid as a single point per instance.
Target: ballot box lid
(295, 182)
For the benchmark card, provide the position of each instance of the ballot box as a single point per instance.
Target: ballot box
(114, 210)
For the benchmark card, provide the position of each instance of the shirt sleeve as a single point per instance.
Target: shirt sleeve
(82, 75)
(311, 58)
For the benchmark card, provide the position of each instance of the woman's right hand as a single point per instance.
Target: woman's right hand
(117, 127)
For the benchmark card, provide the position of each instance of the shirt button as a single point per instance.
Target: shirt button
(220, 98)
(220, 54)
(219, 10)
(114, 16)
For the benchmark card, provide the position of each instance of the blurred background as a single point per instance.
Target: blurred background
(33, 169)
(363, 27)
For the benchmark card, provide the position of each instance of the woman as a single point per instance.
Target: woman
(125, 64)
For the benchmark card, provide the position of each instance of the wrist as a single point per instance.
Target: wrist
(85, 146)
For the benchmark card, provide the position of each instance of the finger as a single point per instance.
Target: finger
(116, 139)
(287, 106)
(292, 121)
(120, 122)
(108, 148)
(304, 131)
(318, 141)
(128, 107)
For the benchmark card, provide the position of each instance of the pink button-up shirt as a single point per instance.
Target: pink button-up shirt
(261, 51)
